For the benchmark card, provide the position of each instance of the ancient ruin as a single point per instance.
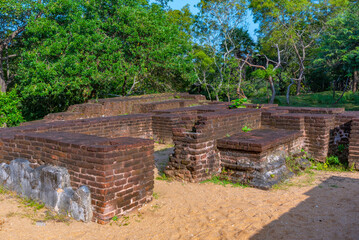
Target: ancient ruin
(107, 144)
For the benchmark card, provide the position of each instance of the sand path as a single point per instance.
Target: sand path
(325, 208)
(324, 205)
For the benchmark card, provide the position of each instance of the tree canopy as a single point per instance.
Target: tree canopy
(55, 53)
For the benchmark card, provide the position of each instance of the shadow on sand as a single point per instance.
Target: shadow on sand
(330, 212)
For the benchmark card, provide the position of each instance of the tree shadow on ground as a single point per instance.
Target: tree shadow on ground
(330, 212)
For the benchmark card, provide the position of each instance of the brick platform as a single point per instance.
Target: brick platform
(258, 157)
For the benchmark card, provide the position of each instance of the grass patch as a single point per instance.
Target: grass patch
(163, 177)
(155, 195)
(27, 202)
(3, 190)
(223, 181)
(332, 164)
(350, 101)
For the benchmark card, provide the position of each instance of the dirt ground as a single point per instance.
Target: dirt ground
(323, 205)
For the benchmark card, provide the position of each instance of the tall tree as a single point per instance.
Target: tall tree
(339, 45)
(14, 17)
(216, 22)
(87, 49)
(295, 23)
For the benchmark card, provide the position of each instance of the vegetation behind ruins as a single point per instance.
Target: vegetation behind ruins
(55, 53)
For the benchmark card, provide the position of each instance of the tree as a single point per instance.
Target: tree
(339, 45)
(268, 70)
(295, 23)
(214, 29)
(14, 17)
(87, 49)
(244, 48)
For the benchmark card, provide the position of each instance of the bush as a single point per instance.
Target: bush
(238, 103)
(10, 114)
(333, 160)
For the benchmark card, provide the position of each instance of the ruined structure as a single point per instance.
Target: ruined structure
(107, 144)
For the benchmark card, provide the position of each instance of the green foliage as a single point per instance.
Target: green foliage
(342, 147)
(246, 129)
(339, 45)
(333, 160)
(238, 103)
(87, 49)
(265, 74)
(350, 101)
(332, 164)
(10, 114)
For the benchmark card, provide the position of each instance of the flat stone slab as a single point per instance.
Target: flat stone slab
(258, 140)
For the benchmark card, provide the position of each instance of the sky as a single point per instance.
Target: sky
(178, 4)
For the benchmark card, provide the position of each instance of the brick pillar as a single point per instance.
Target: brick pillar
(353, 158)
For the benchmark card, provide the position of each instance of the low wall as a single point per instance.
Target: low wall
(135, 125)
(125, 105)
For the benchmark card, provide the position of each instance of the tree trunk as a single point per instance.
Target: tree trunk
(2, 77)
(355, 81)
(288, 90)
(299, 86)
(209, 94)
(272, 89)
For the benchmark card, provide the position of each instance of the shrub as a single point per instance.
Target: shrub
(10, 114)
(238, 103)
(333, 160)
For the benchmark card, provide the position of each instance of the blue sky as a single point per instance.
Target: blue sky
(178, 4)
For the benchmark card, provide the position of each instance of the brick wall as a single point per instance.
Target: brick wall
(124, 105)
(353, 158)
(135, 125)
(118, 172)
(169, 104)
(195, 156)
(316, 127)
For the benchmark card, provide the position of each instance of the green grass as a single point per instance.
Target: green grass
(223, 181)
(31, 203)
(163, 177)
(349, 101)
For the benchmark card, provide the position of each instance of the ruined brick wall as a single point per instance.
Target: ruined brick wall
(316, 126)
(125, 105)
(353, 158)
(169, 104)
(118, 172)
(340, 135)
(163, 121)
(135, 125)
(195, 156)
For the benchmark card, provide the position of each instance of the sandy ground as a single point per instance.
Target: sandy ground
(320, 206)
